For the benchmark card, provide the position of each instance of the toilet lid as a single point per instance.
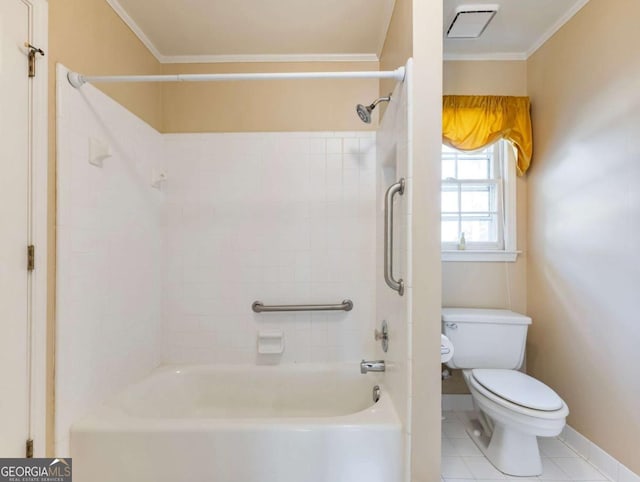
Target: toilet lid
(518, 388)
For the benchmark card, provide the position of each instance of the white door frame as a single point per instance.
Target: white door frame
(39, 10)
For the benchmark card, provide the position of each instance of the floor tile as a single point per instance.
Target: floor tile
(449, 416)
(481, 468)
(550, 471)
(554, 448)
(466, 416)
(448, 449)
(454, 467)
(579, 469)
(454, 429)
(465, 447)
(462, 461)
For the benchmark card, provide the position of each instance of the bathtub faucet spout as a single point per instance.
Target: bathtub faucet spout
(371, 366)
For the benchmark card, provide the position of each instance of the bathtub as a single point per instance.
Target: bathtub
(297, 423)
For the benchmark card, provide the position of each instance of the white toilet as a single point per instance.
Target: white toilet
(514, 408)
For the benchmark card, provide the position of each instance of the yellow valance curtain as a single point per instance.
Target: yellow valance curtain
(470, 122)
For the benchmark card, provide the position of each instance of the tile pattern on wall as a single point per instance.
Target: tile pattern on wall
(109, 253)
(284, 218)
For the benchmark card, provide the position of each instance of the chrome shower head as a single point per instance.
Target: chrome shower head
(364, 112)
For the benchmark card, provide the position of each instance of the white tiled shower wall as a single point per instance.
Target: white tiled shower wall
(109, 253)
(147, 276)
(284, 218)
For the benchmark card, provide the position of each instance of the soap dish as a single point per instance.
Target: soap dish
(270, 342)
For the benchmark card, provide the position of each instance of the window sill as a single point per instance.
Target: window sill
(477, 256)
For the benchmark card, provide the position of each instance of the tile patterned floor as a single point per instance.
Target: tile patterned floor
(462, 461)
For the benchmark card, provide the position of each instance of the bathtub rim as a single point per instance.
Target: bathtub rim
(109, 417)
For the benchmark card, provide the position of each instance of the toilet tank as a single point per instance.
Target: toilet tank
(484, 338)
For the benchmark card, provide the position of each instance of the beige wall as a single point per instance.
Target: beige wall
(487, 285)
(87, 36)
(485, 77)
(294, 105)
(584, 207)
(398, 45)
(491, 285)
(415, 31)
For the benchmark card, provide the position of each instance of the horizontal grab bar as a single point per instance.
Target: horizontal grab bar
(259, 307)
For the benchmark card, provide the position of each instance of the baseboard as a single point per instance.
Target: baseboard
(604, 462)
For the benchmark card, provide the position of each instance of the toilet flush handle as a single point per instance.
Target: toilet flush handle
(452, 326)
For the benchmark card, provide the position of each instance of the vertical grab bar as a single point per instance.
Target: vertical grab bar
(397, 188)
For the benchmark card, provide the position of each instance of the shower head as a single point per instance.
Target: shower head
(364, 112)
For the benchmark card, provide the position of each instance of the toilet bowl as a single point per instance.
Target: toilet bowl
(513, 408)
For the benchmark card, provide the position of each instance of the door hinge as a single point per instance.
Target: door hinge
(31, 257)
(30, 448)
(32, 58)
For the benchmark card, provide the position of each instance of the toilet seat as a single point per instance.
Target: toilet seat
(518, 388)
(512, 407)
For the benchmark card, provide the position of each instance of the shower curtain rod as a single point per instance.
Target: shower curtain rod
(78, 80)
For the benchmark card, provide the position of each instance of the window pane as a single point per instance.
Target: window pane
(476, 198)
(480, 230)
(449, 199)
(449, 231)
(448, 168)
(473, 167)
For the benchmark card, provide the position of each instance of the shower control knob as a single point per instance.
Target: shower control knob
(383, 336)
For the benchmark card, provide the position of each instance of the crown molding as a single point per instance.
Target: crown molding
(511, 56)
(577, 6)
(126, 18)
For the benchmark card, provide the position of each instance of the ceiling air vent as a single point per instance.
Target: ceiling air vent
(470, 21)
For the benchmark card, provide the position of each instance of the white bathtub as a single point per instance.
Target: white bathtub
(298, 423)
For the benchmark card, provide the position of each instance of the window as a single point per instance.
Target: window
(478, 204)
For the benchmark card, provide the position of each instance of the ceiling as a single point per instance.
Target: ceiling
(258, 30)
(327, 30)
(517, 30)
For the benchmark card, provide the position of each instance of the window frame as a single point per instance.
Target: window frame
(505, 249)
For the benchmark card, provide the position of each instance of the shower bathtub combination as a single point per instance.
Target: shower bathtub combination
(312, 423)
(174, 371)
